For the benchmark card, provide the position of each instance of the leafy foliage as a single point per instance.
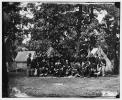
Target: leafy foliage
(66, 27)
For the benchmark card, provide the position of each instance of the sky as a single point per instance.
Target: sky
(28, 14)
(101, 15)
(27, 38)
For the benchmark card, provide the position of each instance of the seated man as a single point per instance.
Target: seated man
(85, 68)
(51, 70)
(92, 59)
(98, 71)
(44, 70)
(93, 65)
(74, 69)
(57, 68)
(103, 65)
(68, 69)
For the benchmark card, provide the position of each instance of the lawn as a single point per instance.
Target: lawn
(63, 86)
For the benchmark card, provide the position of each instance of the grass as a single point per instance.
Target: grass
(72, 87)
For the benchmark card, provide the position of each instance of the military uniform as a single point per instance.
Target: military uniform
(92, 66)
(33, 66)
(28, 65)
(103, 65)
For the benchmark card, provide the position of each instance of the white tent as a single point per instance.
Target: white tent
(100, 52)
(94, 51)
(21, 58)
(52, 51)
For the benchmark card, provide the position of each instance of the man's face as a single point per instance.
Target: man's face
(91, 55)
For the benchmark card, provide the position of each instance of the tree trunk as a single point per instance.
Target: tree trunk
(78, 30)
(4, 67)
(114, 50)
(78, 47)
(119, 53)
(119, 58)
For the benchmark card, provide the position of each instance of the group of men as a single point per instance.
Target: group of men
(95, 66)
(65, 66)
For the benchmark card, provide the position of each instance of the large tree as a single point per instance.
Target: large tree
(61, 23)
(111, 26)
(10, 18)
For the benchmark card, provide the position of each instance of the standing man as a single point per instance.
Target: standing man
(28, 63)
(103, 65)
(97, 62)
(33, 67)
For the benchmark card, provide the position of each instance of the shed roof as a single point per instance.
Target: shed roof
(22, 56)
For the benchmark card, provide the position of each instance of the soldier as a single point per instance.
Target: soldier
(92, 65)
(53, 60)
(51, 69)
(85, 68)
(33, 66)
(63, 71)
(68, 68)
(51, 64)
(44, 70)
(37, 66)
(62, 61)
(103, 65)
(57, 67)
(28, 64)
(92, 59)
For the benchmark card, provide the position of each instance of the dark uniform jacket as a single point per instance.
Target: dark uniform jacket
(28, 61)
(92, 59)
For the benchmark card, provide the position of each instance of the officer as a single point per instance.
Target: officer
(33, 67)
(28, 64)
(92, 65)
(103, 65)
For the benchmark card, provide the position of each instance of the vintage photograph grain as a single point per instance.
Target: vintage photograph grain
(60, 49)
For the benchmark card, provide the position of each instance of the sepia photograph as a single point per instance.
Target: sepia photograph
(60, 49)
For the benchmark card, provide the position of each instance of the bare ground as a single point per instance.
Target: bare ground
(63, 87)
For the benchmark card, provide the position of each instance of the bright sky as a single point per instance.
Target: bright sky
(100, 14)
